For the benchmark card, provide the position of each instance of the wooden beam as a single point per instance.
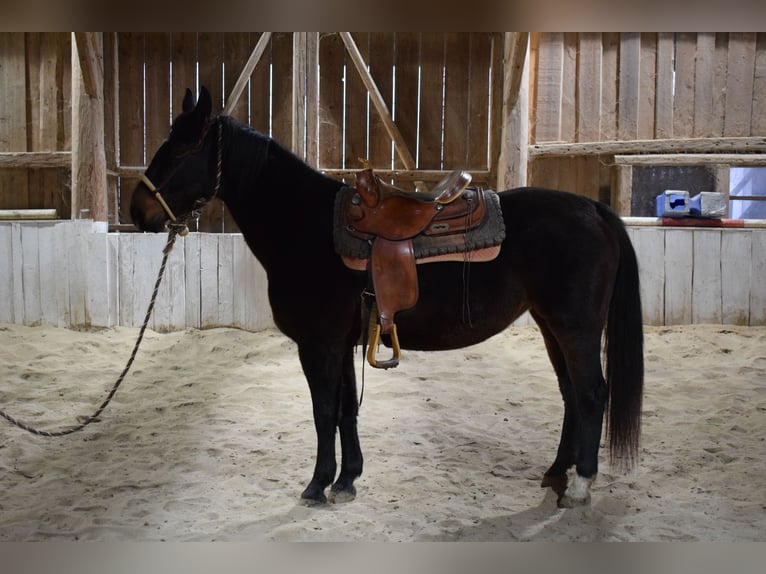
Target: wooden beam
(27, 214)
(91, 61)
(35, 159)
(377, 101)
(434, 175)
(299, 95)
(247, 71)
(88, 151)
(686, 145)
(514, 139)
(747, 159)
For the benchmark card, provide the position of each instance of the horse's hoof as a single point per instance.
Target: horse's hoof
(567, 501)
(313, 497)
(577, 493)
(340, 494)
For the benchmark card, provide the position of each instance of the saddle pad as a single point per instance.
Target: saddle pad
(490, 233)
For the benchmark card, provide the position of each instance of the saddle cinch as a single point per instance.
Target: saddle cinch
(388, 231)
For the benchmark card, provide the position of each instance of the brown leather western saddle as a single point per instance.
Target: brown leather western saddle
(388, 231)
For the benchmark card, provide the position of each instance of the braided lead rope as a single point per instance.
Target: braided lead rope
(174, 230)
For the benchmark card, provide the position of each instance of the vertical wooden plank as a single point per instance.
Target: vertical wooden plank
(758, 278)
(209, 280)
(236, 51)
(192, 280)
(683, 100)
(61, 240)
(609, 77)
(649, 244)
(664, 91)
(703, 85)
(513, 162)
(131, 112)
(158, 118)
(647, 86)
(480, 45)
(456, 99)
(48, 279)
(331, 62)
(126, 256)
(312, 98)
(147, 256)
(431, 101)
(111, 126)
(77, 263)
(184, 58)
(43, 51)
(589, 176)
(282, 87)
(113, 246)
(589, 88)
(622, 189)
(758, 120)
(17, 273)
(650, 248)
(721, 63)
(88, 154)
(706, 276)
(569, 87)
(739, 83)
(6, 274)
(381, 62)
(405, 114)
(357, 109)
(30, 274)
(241, 283)
(629, 84)
(14, 183)
(736, 262)
(226, 280)
(549, 78)
(172, 291)
(97, 277)
(216, 72)
(679, 251)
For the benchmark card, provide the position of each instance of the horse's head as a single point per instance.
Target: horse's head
(182, 173)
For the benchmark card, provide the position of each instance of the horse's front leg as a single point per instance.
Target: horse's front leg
(323, 368)
(351, 463)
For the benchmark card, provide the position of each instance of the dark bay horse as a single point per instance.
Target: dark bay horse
(566, 259)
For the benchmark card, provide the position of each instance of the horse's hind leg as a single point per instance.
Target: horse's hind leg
(351, 461)
(556, 476)
(576, 357)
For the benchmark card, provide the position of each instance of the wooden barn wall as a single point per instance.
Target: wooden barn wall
(35, 116)
(591, 87)
(155, 69)
(437, 87)
(66, 274)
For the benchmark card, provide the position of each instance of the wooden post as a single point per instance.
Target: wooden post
(512, 165)
(88, 152)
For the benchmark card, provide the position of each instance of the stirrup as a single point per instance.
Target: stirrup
(372, 350)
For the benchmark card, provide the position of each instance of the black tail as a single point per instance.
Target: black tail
(624, 357)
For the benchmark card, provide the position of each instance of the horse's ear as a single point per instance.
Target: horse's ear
(188, 104)
(204, 103)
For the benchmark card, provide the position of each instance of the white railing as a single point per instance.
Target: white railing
(64, 273)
